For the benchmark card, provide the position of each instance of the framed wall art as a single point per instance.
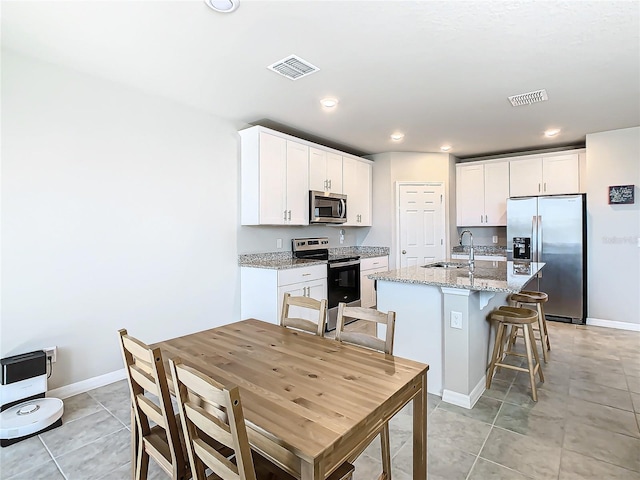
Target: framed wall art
(621, 194)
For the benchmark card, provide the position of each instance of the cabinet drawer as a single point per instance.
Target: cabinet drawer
(302, 274)
(375, 262)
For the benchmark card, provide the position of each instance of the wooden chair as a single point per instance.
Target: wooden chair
(210, 412)
(320, 306)
(515, 317)
(373, 342)
(527, 298)
(146, 373)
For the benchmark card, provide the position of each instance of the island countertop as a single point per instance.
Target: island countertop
(488, 276)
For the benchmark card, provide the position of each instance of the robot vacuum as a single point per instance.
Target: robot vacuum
(24, 410)
(30, 418)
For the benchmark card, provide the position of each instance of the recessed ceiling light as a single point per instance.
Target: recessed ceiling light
(223, 6)
(445, 148)
(552, 132)
(329, 102)
(396, 137)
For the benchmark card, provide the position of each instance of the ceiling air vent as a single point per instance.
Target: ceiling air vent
(293, 67)
(529, 98)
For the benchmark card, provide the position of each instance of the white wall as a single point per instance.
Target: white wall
(613, 158)
(389, 168)
(111, 218)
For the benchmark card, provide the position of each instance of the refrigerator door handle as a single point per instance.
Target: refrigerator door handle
(540, 243)
(534, 239)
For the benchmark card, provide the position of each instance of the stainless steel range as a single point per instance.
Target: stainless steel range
(343, 273)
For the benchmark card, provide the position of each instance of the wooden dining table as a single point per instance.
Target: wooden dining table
(309, 402)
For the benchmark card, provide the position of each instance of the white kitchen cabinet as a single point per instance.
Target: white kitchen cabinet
(325, 171)
(274, 173)
(357, 187)
(262, 290)
(482, 190)
(369, 266)
(545, 175)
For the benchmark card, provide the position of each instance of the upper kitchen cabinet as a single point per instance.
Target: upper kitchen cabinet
(545, 175)
(275, 173)
(325, 171)
(357, 187)
(482, 190)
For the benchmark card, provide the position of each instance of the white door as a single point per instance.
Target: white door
(421, 223)
(525, 177)
(470, 195)
(496, 192)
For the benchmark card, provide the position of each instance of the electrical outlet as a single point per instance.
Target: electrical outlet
(456, 320)
(278, 243)
(51, 352)
(495, 239)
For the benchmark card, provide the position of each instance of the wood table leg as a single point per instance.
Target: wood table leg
(420, 432)
(309, 471)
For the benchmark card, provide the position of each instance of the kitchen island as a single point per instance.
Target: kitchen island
(441, 319)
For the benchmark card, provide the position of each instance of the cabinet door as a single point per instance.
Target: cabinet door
(496, 192)
(350, 187)
(470, 195)
(273, 168)
(357, 188)
(525, 177)
(560, 174)
(317, 169)
(297, 186)
(314, 289)
(364, 191)
(367, 293)
(334, 172)
(368, 297)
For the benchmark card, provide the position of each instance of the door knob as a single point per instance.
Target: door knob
(404, 252)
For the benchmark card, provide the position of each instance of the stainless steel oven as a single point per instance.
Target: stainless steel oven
(343, 274)
(343, 285)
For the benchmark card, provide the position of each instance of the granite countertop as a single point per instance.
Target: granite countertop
(488, 276)
(481, 250)
(284, 260)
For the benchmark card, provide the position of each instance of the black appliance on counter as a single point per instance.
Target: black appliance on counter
(343, 274)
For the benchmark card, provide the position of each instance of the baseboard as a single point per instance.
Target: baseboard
(597, 322)
(465, 401)
(86, 385)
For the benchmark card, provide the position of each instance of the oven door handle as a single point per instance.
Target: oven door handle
(344, 264)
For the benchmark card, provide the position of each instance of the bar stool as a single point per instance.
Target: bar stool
(537, 299)
(515, 317)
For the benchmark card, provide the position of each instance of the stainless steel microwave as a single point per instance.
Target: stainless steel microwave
(327, 207)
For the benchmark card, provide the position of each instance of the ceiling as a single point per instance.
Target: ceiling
(438, 71)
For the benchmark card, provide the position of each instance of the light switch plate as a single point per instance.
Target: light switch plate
(456, 320)
(278, 243)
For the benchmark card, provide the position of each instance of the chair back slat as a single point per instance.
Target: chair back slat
(142, 378)
(150, 409)
(318, 310)
(145, 373)
(209, 424)
(195, 392)
(362, 339)
(216, 462)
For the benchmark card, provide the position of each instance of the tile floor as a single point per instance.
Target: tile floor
(584, 426)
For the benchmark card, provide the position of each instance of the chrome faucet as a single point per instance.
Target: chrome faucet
(471, 256)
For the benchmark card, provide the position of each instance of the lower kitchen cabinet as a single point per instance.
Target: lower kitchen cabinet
(369, 266)
(262, 290)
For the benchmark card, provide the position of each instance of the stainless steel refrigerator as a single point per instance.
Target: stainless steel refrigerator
(552, 229)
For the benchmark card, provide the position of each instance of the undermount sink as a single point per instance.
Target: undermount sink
(446, 265)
